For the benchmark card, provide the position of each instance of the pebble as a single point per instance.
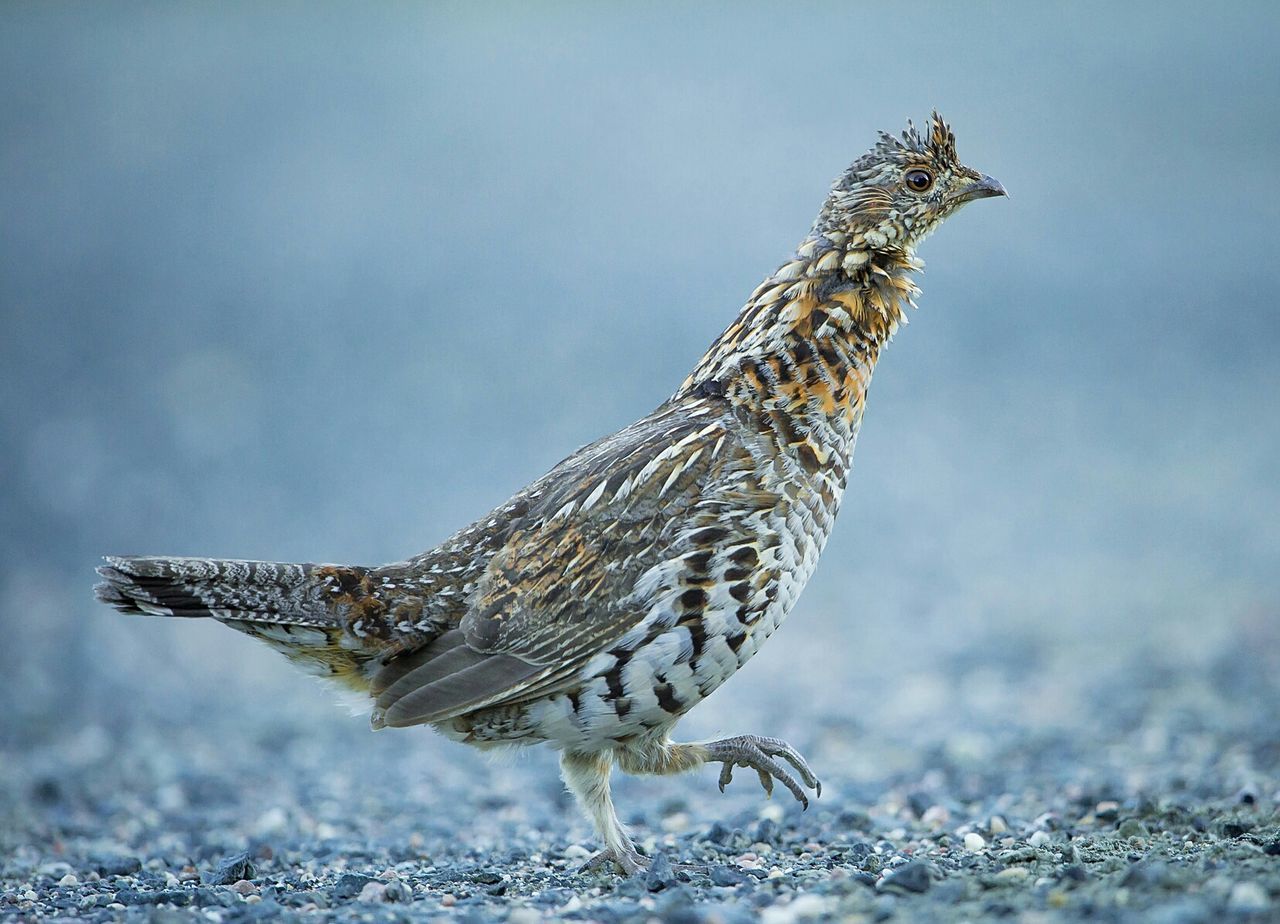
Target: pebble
(232, 870)
(1013, 874)
(349, 885)
(974, 842)
(1039, 839)
(118, 865)
(676, 823)
(1132, 827)
(726, 876)
(935, 816)
(1248, 898)
(577, 852)
(397, 891)
(1107, 811)
(660, 875)
(916, 876)
(997, 825)
(68, 880)
(372, 892)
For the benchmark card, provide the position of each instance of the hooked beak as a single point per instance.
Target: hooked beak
(984, 188)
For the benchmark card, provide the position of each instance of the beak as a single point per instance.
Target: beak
(984, 188)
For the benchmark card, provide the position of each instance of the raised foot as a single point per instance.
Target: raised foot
(758, 754)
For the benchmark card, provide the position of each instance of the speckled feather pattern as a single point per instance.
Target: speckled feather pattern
(601, 603)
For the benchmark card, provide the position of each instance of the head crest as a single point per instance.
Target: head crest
(940, 144)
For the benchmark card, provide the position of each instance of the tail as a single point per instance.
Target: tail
(291, 607)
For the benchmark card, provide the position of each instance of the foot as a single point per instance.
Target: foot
(630, 863)
(758, 754)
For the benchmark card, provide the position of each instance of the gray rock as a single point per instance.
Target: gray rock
(232, 870)
(116, 865)
(349, 885)
(726, 876)
(916, 876)
(660, 875)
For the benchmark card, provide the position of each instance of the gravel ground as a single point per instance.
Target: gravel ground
(1028, 780)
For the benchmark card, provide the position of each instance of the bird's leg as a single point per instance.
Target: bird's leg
(742, 751)
(587, 776)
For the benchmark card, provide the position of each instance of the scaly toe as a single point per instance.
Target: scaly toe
(629, 864)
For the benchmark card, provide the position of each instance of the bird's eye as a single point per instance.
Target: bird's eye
(918, 180)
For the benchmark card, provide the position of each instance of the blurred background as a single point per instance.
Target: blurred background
(326, 283)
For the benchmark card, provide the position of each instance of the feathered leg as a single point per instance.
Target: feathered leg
(587, 776)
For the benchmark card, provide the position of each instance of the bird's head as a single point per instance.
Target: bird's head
(893, 196)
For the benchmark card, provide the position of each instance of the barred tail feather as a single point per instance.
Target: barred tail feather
(279, 603)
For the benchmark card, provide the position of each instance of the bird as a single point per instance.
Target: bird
(597, 606)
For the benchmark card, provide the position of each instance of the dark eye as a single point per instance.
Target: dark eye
(918, 180)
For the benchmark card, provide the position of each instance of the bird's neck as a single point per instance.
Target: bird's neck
(804, 346)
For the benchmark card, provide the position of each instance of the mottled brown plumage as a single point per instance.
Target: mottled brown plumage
(601, 603)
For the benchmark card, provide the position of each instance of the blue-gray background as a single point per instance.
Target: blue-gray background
(325, 283)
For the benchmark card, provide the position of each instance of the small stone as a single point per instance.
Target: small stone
(718, 833)
(349, 885)
(576, 852)
(1075, 873)
(726, 876)
(776, 873)
(272, 821)
(935, 816)
(675, 823)
(1107, 811)
(397, 891)
(118, 865)
(69, 880)
(372, 892)
(766, 831)
(1039, 839)
(660, 875)
(244, 887)
(448, 899)
(915, 876)
(1248, 898)
(1132, 827)
(973, 842)
(1013, 874)
(997, 825)
(232, 870)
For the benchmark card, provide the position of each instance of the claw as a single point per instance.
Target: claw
(629, 864)
(758, 754)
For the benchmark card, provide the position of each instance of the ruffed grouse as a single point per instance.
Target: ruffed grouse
(601, 603)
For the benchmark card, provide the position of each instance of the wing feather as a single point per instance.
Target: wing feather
(567, 581)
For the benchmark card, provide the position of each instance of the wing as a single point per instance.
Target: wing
(604, 532)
